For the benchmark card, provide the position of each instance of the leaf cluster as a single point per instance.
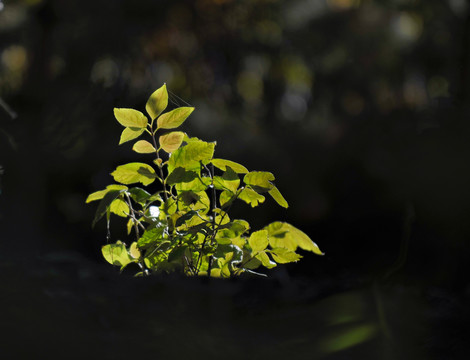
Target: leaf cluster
(185, 224)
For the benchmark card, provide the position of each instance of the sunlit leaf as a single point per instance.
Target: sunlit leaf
(258, 240)
(195, 200)
(169, 207)
(284, 235)
(174, 118)
(185, 217)
(190, 155)
(284, 256)
(259, 180)
(221, 217)
(240, 225)
(116, 254)
(280, 237)
(105, 203)
(251, 197)
(277, 196)
(265, 260)
(157, 102)
(143, 147)
(222, 164)
(303, 241)
(130, 225)
(119, 207)
(225, 198)
(216, 273)
(134, 172)
(156, 260)
(134, 251)
(228, 181)
(230, 253)
(230, 233)
(130, 134)
(150, 236)
(139, 195)
(130, 118)
(180, 175)
(172, 141)
(253, 263)
(98, 195)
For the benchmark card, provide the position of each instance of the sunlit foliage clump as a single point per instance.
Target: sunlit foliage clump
(185, 225)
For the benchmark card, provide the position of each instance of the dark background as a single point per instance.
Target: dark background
(359, 107)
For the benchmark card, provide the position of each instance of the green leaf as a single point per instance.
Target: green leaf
(303, 241)
(130, 134)
(222, 217)
(259, 180)
(280, 237)
(130, 118)
(231, 253)
(185, 217)
(251, 197)
(284, 235)
(265, 260)
(174, 118)
(253, 263)
(169, 207)
(194, 201)
(105, 203)
(240, 225)
(189, 155)
(172, 141)
(284, 256)
(139, 195)
(143, 147)
(226, 198)
(230, 233)
(130, 225)
(98, 195)
(228, 181)
(177, 253)
(119, 207)
(134, 251)
(180, 175)
(157, 102)
(222, 165)
(258, 240)
(277, 196)
(134, 172)
(150, 236)
(116, 254)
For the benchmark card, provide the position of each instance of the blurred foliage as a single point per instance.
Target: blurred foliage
(372, 94)
(370, 98)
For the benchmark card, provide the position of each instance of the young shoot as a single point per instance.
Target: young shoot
(185, 225)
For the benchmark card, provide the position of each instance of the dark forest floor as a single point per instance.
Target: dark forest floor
(65, 306)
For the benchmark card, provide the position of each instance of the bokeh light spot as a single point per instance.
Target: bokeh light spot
(250, 86)
(438, 86)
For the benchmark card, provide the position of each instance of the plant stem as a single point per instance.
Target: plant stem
(160, 167)
(213, 206)
(136, 229)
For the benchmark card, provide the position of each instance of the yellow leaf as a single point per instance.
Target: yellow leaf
(172, 141)
(130, 118)
(130, 134)
(143, 147)
(174, 118)
(157, 102)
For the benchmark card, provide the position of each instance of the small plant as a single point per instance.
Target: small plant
(185, 225)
